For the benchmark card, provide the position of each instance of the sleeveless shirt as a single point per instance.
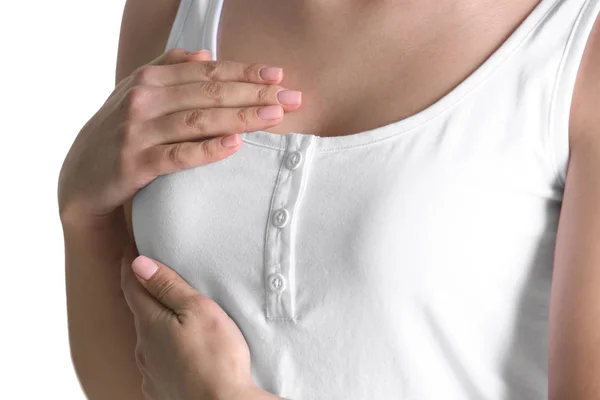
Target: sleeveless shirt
(411, 261)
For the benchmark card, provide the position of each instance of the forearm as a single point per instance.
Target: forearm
(101, 330)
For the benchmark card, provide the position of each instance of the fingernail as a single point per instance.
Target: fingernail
(230, 141)
(194, 53)
(144, 267)
(270, 73)
(285, 96)
(270, 112)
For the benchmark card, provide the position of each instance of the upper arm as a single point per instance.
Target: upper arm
(574, 322)
(145, 28)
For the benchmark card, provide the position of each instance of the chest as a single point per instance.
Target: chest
(424, 212)
(361, 67)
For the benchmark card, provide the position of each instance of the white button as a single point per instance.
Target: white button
(277, 282)
(293, 160)
(280, 217)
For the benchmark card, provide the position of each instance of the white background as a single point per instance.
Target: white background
(57, 67)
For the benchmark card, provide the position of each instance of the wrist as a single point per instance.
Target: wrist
(78, 211)
(76, 217)
(95, 236)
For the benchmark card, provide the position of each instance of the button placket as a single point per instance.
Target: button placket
(277, 282)
(280, 238)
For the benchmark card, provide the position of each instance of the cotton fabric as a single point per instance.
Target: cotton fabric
(411, 261)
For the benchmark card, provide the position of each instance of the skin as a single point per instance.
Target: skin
(161, 117)
(170, 316)
(574, 343)
(339, 71)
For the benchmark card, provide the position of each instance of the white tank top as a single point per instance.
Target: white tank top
(410, 261)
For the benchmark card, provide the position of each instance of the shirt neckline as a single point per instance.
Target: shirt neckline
(336, 143)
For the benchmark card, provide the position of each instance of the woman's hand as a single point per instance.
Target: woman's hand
(168, 115)
(187, 346)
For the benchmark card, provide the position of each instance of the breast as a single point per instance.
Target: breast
(424, 252)
(207, 223)
(432, 257)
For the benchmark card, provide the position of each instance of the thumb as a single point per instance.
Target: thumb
(164, 284)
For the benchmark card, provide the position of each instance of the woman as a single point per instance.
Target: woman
(395, 235)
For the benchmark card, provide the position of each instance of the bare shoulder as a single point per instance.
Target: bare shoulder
(145, 28)
(585, 118)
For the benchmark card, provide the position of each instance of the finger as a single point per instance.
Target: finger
(163, 284)
(140, 302)
(173, 56)
(152, 101)
(168, 158)
(202, 68)
(199, 124)
(200, 55)
(179, 55)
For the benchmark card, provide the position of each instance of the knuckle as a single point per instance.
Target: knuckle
(212, 69)
(163, 288)
(250, 72)
(196, 119)
(208, 150)
(244, 116)
(176, 155)
(214, 90)
(265, 93)
(144, 74)
(134, 101)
